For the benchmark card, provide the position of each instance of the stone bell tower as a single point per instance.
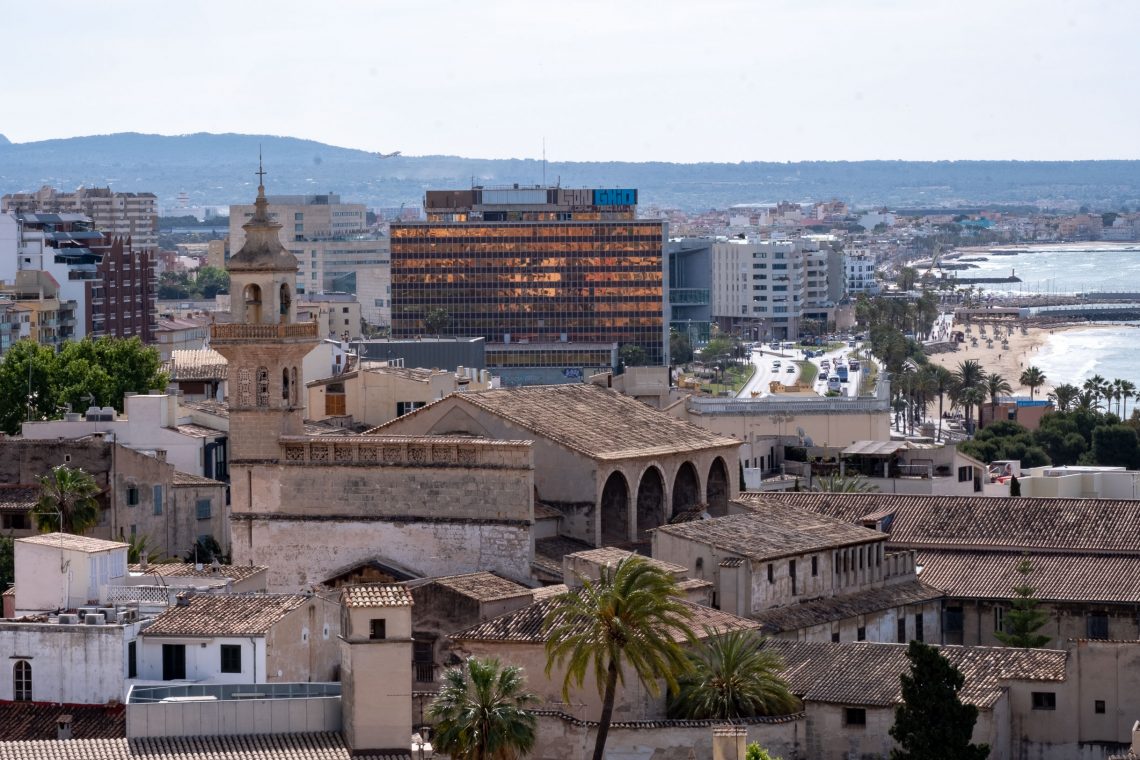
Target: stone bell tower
(263, 344)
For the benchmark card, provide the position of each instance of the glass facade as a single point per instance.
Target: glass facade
(533, 282)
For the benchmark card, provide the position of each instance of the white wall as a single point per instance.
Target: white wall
(75, 664)
(48, 577)
(204, 658)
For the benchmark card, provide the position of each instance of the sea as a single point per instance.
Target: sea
(1111, 350)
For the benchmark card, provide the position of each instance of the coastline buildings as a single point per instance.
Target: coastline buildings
(554, 279)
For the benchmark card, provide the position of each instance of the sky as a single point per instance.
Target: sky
(597, 80)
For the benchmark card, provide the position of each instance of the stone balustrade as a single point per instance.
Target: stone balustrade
(405, 451)
(223, 331)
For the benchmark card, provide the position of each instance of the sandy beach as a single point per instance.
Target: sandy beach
(1007, 362)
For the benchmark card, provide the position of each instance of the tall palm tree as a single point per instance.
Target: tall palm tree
(1032, 378)
(943, 382)
(632, 615)
(480, 712)
(836, 483)
(1127, 391)
(996, 386)
(732, 677)
(967, 388)
(68, 494)
(1116, 391)
(1096, 386)
(1065, 396)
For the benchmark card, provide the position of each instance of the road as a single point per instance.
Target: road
(766, 371)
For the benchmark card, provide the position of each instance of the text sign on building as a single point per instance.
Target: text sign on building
(615, 197)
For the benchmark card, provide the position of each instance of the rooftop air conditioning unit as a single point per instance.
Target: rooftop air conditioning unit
(128, 616)
(109, 614)
(67, 619)
(94, 619)
(84, 611)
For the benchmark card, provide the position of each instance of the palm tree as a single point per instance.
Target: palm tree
(732, 677)
(996, 386)
(970, 398)
(836, 483)
(1127, 391)
(632, 615)
(1065, 396)
(943, 382)
(1032, 378)
(1095, 385)
(480, 712)
(68, 494)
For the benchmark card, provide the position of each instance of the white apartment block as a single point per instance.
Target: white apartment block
(125, 215)
(772, 285)
(859, 267)
(334, 248)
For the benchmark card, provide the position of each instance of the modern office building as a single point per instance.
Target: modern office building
(132, 216)
(335, 250)
(554, 279)
(690, 284)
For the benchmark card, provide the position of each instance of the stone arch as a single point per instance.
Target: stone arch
(615, 509)
(717, 489)
(251, 296)
(286, 300)
(686, 488)
(651, 509)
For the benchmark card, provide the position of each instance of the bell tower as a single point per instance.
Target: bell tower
(263, 344)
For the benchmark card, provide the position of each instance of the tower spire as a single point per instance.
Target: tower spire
(261, 205)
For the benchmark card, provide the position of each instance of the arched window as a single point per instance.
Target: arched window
(22, 681)
(252, 297)
(286, 300)
(245, 387)
(262, 386)
(293, 385)
(285, 384)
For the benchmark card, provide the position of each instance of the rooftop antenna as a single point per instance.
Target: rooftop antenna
(260, 170)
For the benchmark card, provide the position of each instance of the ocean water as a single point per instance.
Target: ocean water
(1062, 269)
(1073, 356)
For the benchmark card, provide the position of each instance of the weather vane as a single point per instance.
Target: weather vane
(260, 170)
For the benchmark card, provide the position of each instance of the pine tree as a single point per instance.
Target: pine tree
(932, 723)
(1024, 619)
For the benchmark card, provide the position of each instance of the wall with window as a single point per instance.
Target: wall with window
(198, 509)
(839, 732)
(213, 659)
(74, 664)
(1064, 622)
(827, 572)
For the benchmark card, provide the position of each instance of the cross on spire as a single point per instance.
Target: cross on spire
(260, 170)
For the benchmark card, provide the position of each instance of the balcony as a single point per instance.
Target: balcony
(689, 296)
(227, 331)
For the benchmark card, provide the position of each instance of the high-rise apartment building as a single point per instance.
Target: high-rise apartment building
(552, 278)
(335, 250)
(124, 215)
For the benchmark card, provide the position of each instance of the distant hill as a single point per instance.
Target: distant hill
(219, 169)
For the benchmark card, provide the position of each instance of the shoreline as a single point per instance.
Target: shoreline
(1011, 362)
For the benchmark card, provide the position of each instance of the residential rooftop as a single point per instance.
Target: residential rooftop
(225, 615)
(482, 586)
(32, 721)
(773, 533)
(830, 609)
(318, 746)
(190, 570)
(73, 542)
(376, 595)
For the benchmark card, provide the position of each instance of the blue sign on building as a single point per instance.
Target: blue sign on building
(615, 197)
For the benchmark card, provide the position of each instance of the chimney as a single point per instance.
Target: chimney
(1136, 738)
(729, 742)
(63, 728)
(142, 561)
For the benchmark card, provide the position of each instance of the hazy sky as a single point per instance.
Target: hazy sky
(696, 80)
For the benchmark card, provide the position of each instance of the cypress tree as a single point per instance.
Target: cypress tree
(932, 723)
(1024, 619)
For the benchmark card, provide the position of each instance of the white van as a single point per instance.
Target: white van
(834, 383)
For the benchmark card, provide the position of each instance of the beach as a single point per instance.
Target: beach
(1007, 362)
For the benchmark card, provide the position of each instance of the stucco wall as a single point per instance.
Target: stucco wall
(204, 658)
(304, 645)
(1065, 622)
(77, 664)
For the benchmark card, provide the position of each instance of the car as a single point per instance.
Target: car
(791, 370)
(823, 376)
(776, 364)
(853, 365)
(833, 383)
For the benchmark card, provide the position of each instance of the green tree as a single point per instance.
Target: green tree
(210, 281)
(632, 355)
(732, 676)
(137, 548)
(717, 349)
(481, 712)
(967, 390)
(996, 386)
(755, 752)
(634, 616)
(205, 550)
(943, 380)
(907, 278)
(27, 390)
(1005, 439)
(436, 320)
(7, 562)
(70, 494)
(1115, 446)
(175, 286)
(1023, 619)
(836, 483)
(680, 348)
(932, 723)
(1064, 396)
(1032, 378)
(1014, 486)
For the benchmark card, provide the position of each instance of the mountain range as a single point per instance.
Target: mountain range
(218, 169)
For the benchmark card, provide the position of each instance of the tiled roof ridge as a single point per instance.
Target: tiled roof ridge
(672, 723)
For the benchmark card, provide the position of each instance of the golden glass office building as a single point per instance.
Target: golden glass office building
(556, 273)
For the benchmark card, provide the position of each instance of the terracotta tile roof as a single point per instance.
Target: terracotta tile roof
(196, 364)
(483, 586)
(376, 595)
(214, 408)
(542, 592)
(609, 556)
(1106, 526)
(818, 611)
(769, 534)
(1056, 577)
(228, 615)
(863, 673)
(322, 746)
(596, 422)
(188, 570)
(548, 552)
(73, 542)
(28, 721)
(190, 479)
(18, 498)
(545, 511)
(199, 431)
(525, 625)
